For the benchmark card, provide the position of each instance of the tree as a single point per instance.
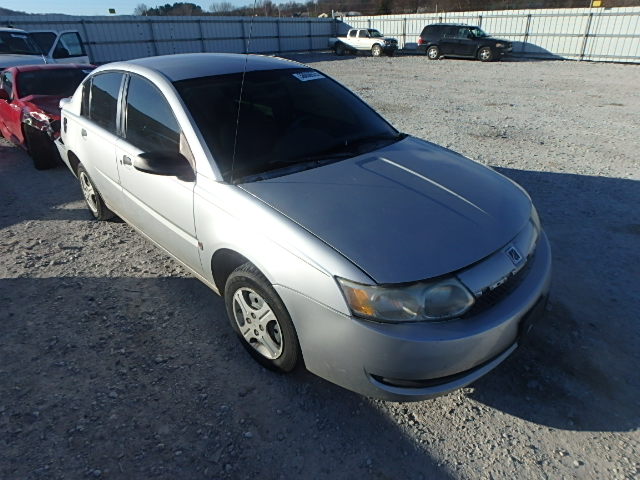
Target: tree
(220, 8)
(141, 9)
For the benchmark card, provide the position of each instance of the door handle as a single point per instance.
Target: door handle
(83, 132)
(126, 160)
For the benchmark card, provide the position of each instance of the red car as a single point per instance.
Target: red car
(29, 111)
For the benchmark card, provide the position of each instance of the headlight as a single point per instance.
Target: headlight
(41, 117)
(38, 120)
(500, 45)
(423, 301)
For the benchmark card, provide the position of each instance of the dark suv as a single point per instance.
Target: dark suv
(460, 40)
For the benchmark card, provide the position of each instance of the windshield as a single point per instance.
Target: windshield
(18, 43)
(289, 120)
(477, 32)
(374, 33)
(60, 82)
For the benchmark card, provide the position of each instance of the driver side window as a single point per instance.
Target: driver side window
(7, 84)
(150, 124)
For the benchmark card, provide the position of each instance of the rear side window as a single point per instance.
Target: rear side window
(150, 125)
(450, 32)
(86, 96)
(103, 107)
(44, 39)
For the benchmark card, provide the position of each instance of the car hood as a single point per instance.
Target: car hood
(407, 212)
(500, 40)
(10, 60)
(46, 103)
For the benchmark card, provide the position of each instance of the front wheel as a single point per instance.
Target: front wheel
(92, 197)
(40, 148)
(485, 54)
(433, 52)
(260, 319)
(340, 50)
(376, 50)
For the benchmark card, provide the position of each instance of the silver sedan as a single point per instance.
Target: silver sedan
(386, 264)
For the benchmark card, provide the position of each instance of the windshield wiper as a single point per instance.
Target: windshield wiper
(345, 149)
(279, 169)
(373, 139)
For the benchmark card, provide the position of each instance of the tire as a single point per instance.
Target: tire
(92, 196)
(340, 50)
(41, 149)
(433, 52)
(376, 50)
(485, 54)
(261, 320)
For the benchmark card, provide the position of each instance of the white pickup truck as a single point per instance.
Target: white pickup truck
(364, 39)
(18, 47)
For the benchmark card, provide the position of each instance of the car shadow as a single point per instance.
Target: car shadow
(98, 370)
(578, 368)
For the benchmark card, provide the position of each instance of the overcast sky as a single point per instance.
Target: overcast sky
(94, 7)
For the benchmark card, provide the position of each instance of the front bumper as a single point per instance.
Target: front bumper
(415, 361)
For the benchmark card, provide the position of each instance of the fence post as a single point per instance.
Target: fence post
(278, 32)
(244, 36)
(404, 31)
(202, 47)
(153, 37)
(586, 36)
(526, 34)
(86, 40)
(369, 22)
(310, 36)
(480, 21)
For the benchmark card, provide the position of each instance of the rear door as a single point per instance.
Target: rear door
(160, 206)
(448, 40)
(97, 127)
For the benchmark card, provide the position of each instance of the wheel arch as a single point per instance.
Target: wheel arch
(74, 161)
(223, 262)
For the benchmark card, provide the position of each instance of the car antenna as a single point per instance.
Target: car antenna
(244, 71)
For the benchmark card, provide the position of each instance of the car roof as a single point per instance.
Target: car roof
(450, 25)
(53, 66)
(195, 65)
(11, 29)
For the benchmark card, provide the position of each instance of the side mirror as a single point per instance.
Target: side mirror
(4, 95)
(165, 163)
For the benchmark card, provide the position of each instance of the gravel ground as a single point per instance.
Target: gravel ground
(115, 363)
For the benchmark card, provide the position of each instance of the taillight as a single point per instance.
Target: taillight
(420, 41)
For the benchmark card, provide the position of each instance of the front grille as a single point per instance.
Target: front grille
(489, 298)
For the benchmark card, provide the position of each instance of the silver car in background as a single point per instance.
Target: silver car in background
(386, 264)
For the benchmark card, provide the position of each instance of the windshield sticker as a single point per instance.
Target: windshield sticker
(15, 35)
(308, 76)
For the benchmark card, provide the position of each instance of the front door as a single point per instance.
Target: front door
(10, 111)
(160, 206)
(465, 43)
(69, 49)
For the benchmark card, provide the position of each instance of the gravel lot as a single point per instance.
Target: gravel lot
(115, 363)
